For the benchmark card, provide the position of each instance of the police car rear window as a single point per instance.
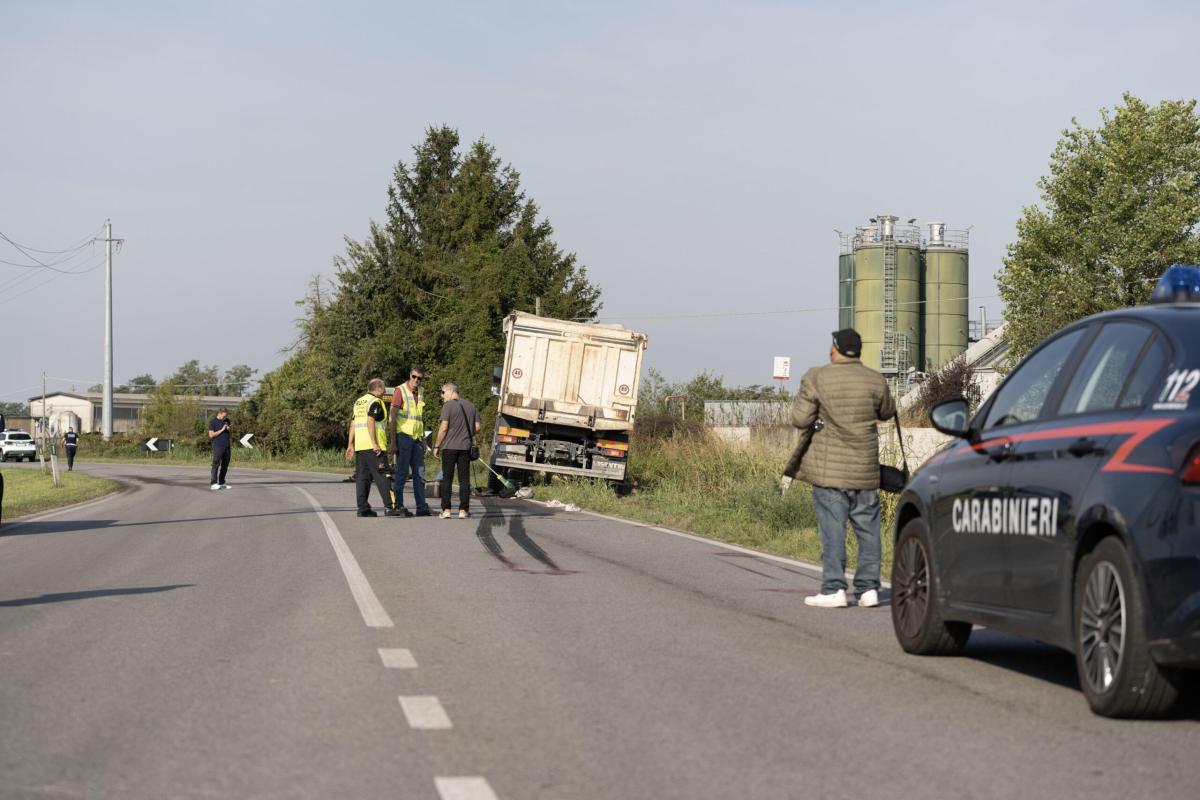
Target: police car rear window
(1147, 377)
(1098, 381)
(17, 437)
(1022, 396)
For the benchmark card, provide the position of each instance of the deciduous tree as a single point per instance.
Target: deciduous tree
(1120, 204)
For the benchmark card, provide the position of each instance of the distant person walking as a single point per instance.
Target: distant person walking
(842, 464)
(218, 434)
(455, 441)
(71, 443)
(368, 445)
(408, 416)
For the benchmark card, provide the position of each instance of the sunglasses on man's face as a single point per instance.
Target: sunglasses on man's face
(417, 377)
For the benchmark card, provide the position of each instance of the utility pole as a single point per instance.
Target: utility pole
(537, 306)
(106, 412)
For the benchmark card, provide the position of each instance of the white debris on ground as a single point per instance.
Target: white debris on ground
(524, 493)
(562, 505)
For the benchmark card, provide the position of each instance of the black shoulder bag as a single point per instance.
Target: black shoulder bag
(893, 479)
(470, 432)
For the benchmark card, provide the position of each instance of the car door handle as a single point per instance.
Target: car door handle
(1083, 447)
(1000, 452)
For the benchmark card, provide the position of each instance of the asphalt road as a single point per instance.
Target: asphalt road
(171, 641)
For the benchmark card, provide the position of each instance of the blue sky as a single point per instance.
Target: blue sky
(696, 156)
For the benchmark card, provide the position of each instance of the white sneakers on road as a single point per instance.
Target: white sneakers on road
(835, 600)
(218, 486)
(868, 599)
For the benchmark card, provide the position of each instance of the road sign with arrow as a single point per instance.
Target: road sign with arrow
(245, 441)
(156, 445)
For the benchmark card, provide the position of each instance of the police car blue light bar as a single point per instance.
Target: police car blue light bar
(1179, 284)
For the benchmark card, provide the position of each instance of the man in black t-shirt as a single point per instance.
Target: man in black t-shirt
(218, 434)
(70, 442)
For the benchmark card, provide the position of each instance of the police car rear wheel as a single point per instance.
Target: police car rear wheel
(916, 619)
(1118, 674)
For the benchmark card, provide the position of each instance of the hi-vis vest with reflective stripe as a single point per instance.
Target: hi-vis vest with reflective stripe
(410, 419)
(362, 433)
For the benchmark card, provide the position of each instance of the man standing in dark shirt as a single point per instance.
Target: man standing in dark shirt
(218, 434)
(70, 441)
(455, 438)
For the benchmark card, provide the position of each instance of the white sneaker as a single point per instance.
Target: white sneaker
(868, 599)
(215, 487)
(446, 514)
(224, 485)
(834, 600)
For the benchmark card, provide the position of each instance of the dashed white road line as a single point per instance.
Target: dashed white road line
(464, 789)
(373, 612)
(397, 658)
(425, 713)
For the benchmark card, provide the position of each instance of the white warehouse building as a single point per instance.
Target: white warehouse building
(84, 410)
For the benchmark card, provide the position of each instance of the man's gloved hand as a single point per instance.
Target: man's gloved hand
(785, 483)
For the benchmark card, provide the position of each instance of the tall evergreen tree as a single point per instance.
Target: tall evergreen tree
(460, 248)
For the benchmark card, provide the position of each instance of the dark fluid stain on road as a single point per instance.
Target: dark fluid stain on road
(515, 528)
(63, 597)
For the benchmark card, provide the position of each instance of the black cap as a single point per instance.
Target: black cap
(848, 342)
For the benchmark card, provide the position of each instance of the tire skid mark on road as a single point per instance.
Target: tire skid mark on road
(373, 612)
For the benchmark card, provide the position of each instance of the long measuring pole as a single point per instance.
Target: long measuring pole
(106, 413)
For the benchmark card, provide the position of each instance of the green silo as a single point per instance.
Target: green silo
(887, 294)
(846, 290)
(946, 292)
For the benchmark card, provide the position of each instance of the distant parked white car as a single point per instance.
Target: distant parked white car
(17, 445)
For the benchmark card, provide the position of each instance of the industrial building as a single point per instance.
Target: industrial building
(82, 410)
(906, 295)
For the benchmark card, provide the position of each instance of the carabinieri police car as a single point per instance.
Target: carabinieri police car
(1068, 507)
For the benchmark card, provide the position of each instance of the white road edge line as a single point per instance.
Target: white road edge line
(425, 713)
(815, 569)
(373, 612)
(464, 789)
(397, 658)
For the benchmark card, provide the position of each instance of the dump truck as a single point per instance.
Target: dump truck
(567, 398)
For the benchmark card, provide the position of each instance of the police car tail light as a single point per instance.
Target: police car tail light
(1191, 471)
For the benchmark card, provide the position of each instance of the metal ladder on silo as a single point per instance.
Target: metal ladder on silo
(887, 356)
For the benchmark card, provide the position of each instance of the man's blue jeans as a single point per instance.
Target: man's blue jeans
(859, 507)
(410, 458)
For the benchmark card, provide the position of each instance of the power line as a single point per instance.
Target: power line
(53, 252)
(8, 298)
(28, 252)
(785, 311)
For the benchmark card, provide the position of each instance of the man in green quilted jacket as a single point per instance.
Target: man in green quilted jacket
(842, 464)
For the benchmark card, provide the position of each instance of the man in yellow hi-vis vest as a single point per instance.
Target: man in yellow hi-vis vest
(408, 412)
(368, 446)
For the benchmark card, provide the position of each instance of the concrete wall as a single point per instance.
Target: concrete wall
(919, 443)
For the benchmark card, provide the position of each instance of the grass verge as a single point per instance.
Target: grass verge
(28, 491)
(724, 491)
(332, 461)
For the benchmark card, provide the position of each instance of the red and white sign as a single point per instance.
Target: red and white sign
(623, 388)
(516, 373)
(783, 368)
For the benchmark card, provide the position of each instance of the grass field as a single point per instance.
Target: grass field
(27, 491)
(709, 487)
